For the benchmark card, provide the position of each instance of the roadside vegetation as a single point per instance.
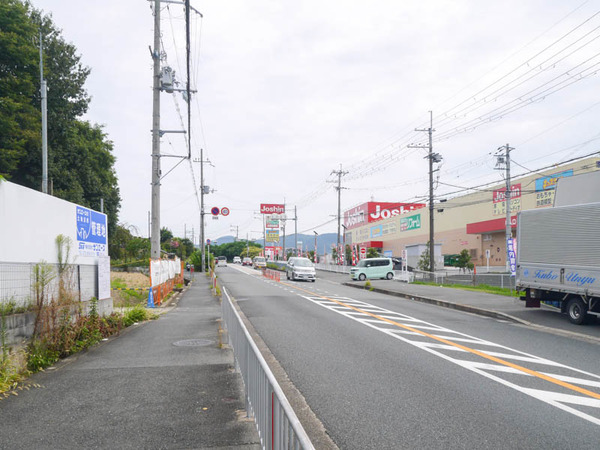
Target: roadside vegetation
(63, 325)
(480, 288)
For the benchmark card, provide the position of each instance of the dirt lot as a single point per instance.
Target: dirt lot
(131, 280)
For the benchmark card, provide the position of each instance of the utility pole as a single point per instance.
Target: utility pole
(44, 96)
(503, 162)
(433, 157)
(316, 259)
(340, 173)
(235, 228)
(155, 235)
(296, 231)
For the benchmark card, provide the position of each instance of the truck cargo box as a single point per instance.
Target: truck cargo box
(559, 248)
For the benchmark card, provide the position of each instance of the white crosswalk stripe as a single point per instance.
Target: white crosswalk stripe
(557, 389)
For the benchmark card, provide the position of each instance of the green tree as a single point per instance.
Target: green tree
(464, 260)
(423, 263)
(80, 159)
(165, 235)
(20, 119)
(372, 253)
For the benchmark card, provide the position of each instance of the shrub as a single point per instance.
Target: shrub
(136, 314)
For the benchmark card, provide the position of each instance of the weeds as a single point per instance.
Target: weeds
(10, 307)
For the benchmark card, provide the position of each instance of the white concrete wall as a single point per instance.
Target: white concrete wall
(30, 222)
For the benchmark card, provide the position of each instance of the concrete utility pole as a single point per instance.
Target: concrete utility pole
(235, 228)
(44, 96)
(433, 157)
(296, 231)
(202, 193)
(155, 227)
(504, 160)
(340, 173)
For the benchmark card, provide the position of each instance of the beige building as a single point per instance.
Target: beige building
(476, 222)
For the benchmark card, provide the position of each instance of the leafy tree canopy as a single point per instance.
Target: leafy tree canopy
(80, 158)
(235, 249)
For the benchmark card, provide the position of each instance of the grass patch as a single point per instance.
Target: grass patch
(480, 288)
(10, 307)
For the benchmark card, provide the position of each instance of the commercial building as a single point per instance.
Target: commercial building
(476, 221)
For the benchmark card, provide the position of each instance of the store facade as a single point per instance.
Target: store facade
(476, 222)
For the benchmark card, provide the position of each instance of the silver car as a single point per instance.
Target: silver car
(300, 269)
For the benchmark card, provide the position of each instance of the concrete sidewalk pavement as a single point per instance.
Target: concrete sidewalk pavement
(162, 384)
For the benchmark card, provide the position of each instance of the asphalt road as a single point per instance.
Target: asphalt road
(381, 372)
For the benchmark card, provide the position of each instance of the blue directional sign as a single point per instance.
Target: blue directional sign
(92, 232)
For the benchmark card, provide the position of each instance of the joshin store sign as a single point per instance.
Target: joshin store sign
(499, 199)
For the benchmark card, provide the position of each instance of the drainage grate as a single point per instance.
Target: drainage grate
(193, 343)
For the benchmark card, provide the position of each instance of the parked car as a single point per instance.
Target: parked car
(373, 268)
(222, 261)
(300, 269)
(247, 261)
(260, 262)
(237, 260)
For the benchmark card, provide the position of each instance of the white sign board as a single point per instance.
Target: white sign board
(103, 277)
(31, 221)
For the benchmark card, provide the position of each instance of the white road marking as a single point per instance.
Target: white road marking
(559, 400)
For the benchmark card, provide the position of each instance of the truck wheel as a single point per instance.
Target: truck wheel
(389, 276)
(362, 277)
(577, 311)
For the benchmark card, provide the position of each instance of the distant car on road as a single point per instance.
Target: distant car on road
(237, 260)
(260, 262)
(247, 261)
(300, 269)
(222, 261)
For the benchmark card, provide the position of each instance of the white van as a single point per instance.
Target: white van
(300, 269)
(373, 268)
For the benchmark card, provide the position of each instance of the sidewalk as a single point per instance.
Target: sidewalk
(161, 384)
(490, 305)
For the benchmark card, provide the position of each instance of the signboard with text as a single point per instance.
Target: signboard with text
(272, 208)
(499, 200)
(410, 223)
(272, 235)
(374, 211)
(92, 232)
(545, 188)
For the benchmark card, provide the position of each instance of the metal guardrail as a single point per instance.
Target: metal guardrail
(333, 268)
(277, 424)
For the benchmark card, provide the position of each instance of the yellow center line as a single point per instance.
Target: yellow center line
(462, 347)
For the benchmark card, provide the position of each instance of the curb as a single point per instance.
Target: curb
(481, 312)
(446, 304)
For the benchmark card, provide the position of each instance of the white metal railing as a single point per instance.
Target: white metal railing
(333, 268)
(277, 424)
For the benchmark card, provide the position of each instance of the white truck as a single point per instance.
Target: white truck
(558, 258)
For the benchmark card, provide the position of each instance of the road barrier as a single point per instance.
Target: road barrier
(272, 274)
(165, 275)
(277, 424)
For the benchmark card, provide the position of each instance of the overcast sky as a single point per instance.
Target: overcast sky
(289, 90)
